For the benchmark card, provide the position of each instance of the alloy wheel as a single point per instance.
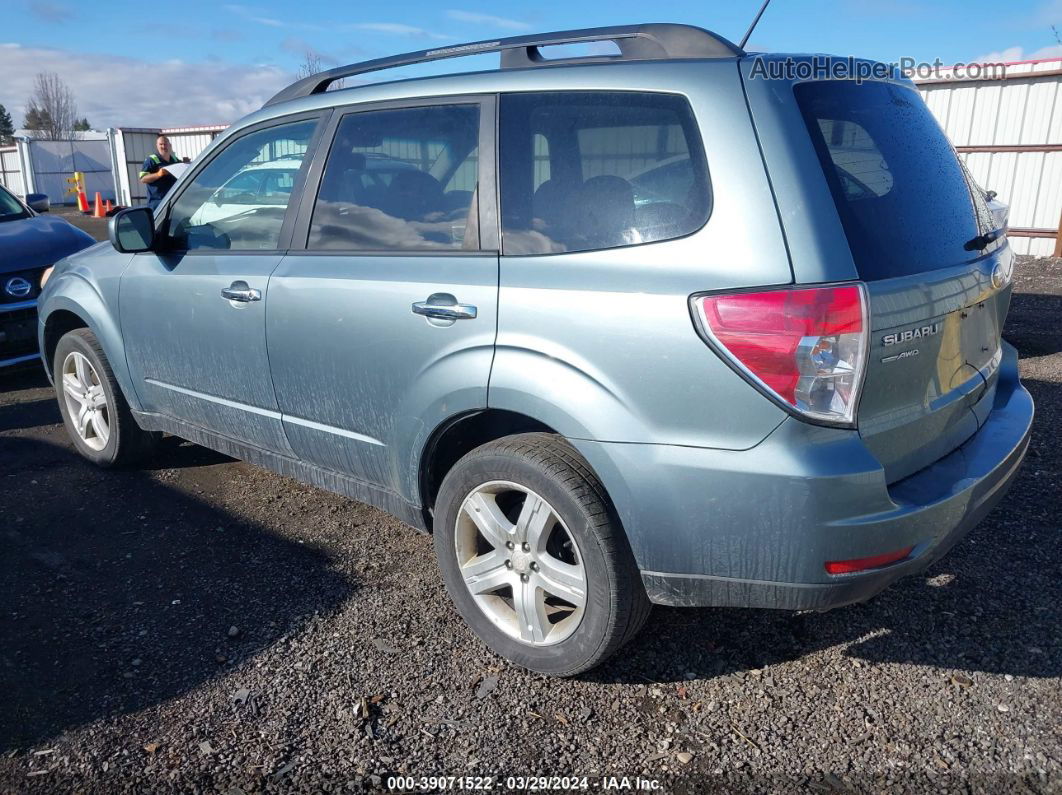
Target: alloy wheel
(520, 563)
(86, 401)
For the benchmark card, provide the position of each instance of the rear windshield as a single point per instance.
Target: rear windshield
(899, 188)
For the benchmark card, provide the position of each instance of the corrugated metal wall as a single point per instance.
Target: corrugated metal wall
(11, 171)
(132, 146)
(1010, 134)
(32, 166)
(190, 144)
(53, 162)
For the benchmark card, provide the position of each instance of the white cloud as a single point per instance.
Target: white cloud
(257, 15)
(487, 19)
(254, 15)
(113, 91)
(395, 28)
(1019, 54)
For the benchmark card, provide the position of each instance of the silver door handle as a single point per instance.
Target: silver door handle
(239, 291)
(445, 311)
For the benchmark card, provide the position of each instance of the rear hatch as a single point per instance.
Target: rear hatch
(936, 268)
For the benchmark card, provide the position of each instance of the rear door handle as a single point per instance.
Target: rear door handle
(241, 292)
(444, 307)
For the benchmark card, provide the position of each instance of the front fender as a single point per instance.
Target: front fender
(71, 291)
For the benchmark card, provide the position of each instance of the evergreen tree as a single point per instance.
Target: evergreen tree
(7, 127)
(82, 125)
(37, 119)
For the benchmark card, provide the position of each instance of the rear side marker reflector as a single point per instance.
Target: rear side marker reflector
(806, 347)
(863, 564)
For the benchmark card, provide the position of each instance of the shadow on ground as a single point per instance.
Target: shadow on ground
(118, 591)
(1032, 325)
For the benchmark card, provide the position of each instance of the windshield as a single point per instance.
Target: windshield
(899, 188)
(10, 207)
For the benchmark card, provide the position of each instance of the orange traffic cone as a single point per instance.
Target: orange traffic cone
(82, 201)
(98, 211)
(108, 208)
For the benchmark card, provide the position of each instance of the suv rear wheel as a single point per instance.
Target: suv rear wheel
(532, 557)
(94, 409)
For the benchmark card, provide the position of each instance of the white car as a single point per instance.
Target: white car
(255, 188)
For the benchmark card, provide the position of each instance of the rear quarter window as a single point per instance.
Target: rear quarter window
(897, 183)
(594, 170)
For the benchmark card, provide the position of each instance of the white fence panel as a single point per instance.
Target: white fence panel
(1036, 126)
(986, 114)
(134, 147)
(1010, 114)
(1009, 132)
(11, 171)
(1049, 204)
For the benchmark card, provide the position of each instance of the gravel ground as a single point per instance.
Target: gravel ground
(207, 626)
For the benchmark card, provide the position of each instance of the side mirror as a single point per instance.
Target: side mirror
(990, 195)
(38, 202)
(132, 231)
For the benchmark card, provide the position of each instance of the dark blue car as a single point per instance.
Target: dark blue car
(29, 244)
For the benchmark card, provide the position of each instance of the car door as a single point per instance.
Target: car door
(193, 311)
(383, 324)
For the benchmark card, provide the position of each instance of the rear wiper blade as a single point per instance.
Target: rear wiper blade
(982, 241)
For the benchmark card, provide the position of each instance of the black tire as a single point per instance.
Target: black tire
(127, 443)
(616, 603)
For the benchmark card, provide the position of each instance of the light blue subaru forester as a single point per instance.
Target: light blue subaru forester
(646, 327)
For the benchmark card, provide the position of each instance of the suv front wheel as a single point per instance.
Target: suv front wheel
(532, 557)
(94, 409)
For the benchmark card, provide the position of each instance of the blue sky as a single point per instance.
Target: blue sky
(203, 62)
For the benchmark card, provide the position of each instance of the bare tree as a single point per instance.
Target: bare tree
(52, 106)
(311, 65)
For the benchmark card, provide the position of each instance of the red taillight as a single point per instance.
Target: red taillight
(863, 564)
(807, 346)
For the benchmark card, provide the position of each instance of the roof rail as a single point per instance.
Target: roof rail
(635, 42)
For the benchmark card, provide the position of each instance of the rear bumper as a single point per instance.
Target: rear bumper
(18, 333)
(754, 528)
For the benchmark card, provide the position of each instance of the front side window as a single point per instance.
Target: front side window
(10, 207)
(239, 200)
(595, 170)
(400, 180)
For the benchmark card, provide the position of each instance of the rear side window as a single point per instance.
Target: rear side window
(400, 180)
(899, 188)
(596, 170)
